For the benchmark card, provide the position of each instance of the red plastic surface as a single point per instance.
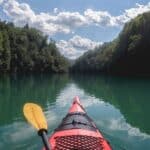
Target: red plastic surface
(78, 139)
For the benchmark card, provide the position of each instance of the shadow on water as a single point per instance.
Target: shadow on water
(130, 95)
(17, 90)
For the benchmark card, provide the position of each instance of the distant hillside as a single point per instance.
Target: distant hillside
(26, 50)
(127, 54)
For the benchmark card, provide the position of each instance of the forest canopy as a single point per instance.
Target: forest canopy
(128, 53)
(27, 50)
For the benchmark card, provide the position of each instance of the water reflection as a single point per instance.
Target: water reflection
(117, 105)
(16, 90)
(109, 119)
(130, 95)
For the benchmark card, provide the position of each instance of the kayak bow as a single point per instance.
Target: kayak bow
(77, 131)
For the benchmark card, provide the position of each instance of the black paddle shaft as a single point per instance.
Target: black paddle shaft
(42, 133)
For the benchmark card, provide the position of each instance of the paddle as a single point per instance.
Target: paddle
(35, 116)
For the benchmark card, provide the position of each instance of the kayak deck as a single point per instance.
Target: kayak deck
(78, 142)
(77, 131)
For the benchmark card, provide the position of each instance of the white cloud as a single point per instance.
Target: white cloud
(76, 46)
(1, 1)
(49, 23)
(65, 21)
(55, 10)
(19, 13)
(102, 18)
(83, 43)
(131, 13)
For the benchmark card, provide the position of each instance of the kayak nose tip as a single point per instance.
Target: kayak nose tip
(76, 106)
(76, 100)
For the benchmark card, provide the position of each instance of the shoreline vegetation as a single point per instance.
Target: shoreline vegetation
(128, 54)
(27, 50)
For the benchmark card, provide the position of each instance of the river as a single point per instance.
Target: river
(120, 107)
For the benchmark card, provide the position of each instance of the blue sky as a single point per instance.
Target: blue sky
(76, 25)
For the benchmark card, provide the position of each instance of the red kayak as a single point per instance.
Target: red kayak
(77, 131)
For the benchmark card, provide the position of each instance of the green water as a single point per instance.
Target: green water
(119, 106)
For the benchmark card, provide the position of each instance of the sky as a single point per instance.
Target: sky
(76, 25)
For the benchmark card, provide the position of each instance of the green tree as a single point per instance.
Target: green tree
(27, 50)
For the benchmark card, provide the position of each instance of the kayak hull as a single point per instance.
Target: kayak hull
(77, 131)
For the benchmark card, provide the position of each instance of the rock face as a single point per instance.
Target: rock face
(129, 53)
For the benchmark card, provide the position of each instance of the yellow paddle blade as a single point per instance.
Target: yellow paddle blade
(35, 115)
